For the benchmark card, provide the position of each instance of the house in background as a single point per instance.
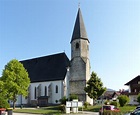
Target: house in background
(116, 94)
(134, 89)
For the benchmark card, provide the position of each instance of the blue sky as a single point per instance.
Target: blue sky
(34, 28)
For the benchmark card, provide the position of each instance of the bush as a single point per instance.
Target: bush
(4, 103)
(123, 100)
(138, 98)
(115, 103)
(86, 104)
(107, 102)
(73, 96)
(63, 100)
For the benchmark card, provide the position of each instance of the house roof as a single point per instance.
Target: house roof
(134, 80)
(79, 31)
(47, 68)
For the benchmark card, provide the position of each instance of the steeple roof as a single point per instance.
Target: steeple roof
(79, 31)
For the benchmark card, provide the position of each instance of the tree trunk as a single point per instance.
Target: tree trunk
(13, 104)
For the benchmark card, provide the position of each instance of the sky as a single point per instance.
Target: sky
(35, 28)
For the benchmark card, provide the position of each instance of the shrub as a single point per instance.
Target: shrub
(73, 96)
(138, 98)
(86, 104)
(115, 103)
(63, 100)
(123, 100)
(107, 102)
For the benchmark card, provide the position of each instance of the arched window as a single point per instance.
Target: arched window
(45, 90)
(56, 89)
(35, 93)
(77, 45)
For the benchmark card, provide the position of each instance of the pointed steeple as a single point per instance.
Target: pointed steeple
(79, 31)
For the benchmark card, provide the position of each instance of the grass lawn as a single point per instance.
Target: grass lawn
(55, 109)
(125, 109)
(42, 110)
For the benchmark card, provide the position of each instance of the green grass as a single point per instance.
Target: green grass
(55, 109)
(46, 110)
(127, 109)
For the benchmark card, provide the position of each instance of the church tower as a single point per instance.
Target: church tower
(80, 64)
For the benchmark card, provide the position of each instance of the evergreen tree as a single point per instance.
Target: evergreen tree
(94, 87)
(16, 80)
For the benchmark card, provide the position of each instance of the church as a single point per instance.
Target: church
(55, 76)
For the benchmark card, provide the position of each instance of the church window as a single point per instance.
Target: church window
(45, 90)
(56, 89)
(77, 45)
(35, 93)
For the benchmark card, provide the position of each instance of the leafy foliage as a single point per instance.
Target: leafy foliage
(107, 102)
(86, 104)
(4, 103)
(115, 103)
(123, 100)
(94, 87)
(3, 92)
(73, 96)
(63, 100)
(3, 96)
(16, 80)
(138, 98)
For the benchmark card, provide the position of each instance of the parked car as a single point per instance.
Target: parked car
(135, 112)
(108, 107)
(138, 107)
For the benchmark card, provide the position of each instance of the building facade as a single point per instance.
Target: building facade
(80, 63)
(55, 76)
(134, 90)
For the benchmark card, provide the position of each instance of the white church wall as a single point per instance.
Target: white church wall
(24, 100)
(55, 96)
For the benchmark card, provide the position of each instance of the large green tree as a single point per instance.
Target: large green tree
(16, 80)
(94, 87)
(3, 98)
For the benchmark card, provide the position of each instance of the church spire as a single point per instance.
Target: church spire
(79, 31)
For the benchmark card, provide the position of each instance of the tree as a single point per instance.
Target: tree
(16, 80)
(3, 91)
(123, 100)
(138, 98)
(94, 87)
(3, 98)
